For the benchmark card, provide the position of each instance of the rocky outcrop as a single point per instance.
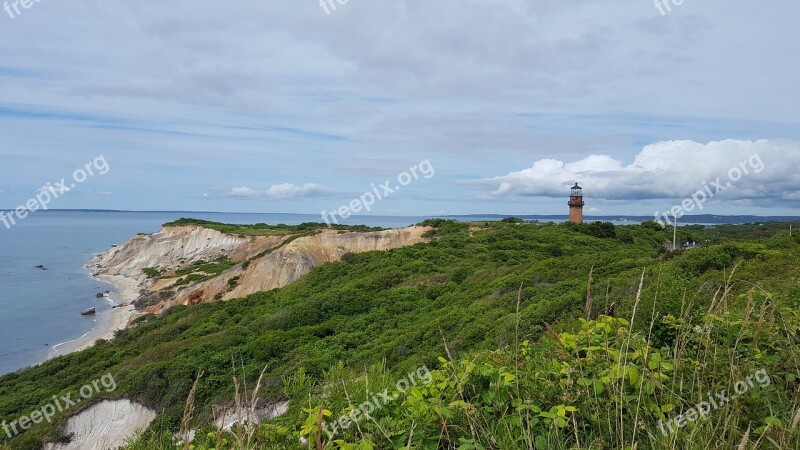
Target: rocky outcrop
(171, 248)
(177, 246)
(228, 417)
(287, 264)
(105, 426)
(272, 261)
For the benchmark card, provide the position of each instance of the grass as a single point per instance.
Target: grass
(262, 229)
(604, 384)
(535, 351)
(212, 268)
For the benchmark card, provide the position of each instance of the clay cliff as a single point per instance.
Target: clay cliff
(260, 263)
(174, 247)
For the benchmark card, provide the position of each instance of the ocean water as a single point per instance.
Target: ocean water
(41, 308)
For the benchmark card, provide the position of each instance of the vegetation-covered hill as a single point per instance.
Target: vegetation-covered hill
(494, 316)
(260, 229)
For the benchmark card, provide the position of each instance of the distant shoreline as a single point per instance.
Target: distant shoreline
(688, 219)
(127, 290)
(124, 292)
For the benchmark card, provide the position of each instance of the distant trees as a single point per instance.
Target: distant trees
(602, 230)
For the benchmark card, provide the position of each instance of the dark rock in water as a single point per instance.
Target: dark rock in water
(99, 295)
(41, 267)
(89, 312)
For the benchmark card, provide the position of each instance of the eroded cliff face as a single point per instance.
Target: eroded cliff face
(288, 263)
(176, 247)
(105, 425)
(262, 263)
(271, 261)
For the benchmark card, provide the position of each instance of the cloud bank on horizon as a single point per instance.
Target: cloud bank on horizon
(280, 107)
(284, 191)
(748, 171)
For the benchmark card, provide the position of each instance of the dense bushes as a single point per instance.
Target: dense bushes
(718, 257)
(479, 288)
(264, 229)
(151, 272)
(603, 386)
(601, 230)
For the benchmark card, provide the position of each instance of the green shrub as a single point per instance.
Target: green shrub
(397, 309)
(151, 272)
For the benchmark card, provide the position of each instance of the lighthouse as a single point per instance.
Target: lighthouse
(576, 204)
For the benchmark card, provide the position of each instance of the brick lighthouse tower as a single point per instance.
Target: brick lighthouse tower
(576, 204)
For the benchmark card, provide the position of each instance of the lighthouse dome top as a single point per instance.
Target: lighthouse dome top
(577, 190)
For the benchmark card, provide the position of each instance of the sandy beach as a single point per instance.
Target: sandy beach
(124, 293)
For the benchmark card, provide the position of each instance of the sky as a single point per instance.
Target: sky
(299, 106)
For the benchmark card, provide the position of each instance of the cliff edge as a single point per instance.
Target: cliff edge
(171, 267)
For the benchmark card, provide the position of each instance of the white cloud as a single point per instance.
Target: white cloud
(243, 192)
(543, 79)
(55, 189)
(99, 193)
(770, 171)
(285, 191)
